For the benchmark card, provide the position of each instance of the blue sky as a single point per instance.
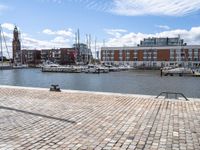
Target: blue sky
(53, 23)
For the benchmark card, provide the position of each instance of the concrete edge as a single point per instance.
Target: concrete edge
(95, 92)
(78, 91)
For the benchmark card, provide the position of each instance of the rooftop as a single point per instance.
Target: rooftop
(148, 42)
(152, 47)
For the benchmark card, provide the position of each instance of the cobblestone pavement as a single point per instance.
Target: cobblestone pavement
(39, 119)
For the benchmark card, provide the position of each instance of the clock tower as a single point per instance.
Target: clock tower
(16, 45)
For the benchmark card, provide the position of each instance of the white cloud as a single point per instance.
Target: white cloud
(155, 7)
(102, 5)
(60, 39)
(139, 7)
(191, 36)
(47, 31)
(97, 5)
(8, 26)
(31, 43)
(165, 27)
(68, 32)
(115, 32)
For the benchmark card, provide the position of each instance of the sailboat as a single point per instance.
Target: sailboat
(4, 64)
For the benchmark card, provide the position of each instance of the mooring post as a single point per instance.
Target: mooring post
(55, 88)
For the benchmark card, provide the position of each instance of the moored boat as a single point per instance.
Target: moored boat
(196, 72)
(20, 66)
(58, 68)
(96, 69)
(176, 71)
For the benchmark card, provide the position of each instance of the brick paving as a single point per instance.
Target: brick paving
(39, 119)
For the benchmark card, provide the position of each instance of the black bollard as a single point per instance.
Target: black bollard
(55, 88)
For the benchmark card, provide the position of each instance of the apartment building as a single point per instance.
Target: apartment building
(63, 56)
(154, 53)
(33, 57)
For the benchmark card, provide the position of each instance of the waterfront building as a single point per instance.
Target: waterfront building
(62, 56)
(154, 53)
(16, 46)
(68, 56)
(56, 56)
(32, 57)
(46, 55)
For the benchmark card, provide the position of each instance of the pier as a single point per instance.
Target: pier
(33, 118)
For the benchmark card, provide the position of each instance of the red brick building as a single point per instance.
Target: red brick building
(156, 55)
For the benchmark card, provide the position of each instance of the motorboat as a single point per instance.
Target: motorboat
(112, 68)
(176, 71)
(103, 69)
(58, 68)
(96, 69)
(196, 72)
(91, 69)
(20, 66)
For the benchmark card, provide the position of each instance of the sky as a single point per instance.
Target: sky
(53, 23)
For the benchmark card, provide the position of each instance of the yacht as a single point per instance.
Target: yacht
(96, 69)
(176, 71)
(196, 72)
(91, 69)
(20, 66)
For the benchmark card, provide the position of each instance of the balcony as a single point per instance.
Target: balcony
(44, 53)
(57, 52)
(57, 56)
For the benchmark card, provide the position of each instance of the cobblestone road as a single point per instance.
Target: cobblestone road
(39, 119)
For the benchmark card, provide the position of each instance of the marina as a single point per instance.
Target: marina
(148, 82)
(90, 68)
(100, 75)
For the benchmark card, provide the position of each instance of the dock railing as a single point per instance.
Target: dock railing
(173, 93)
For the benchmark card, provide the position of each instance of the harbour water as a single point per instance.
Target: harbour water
(132, 82)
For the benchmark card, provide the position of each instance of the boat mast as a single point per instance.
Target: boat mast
(5, 44)
(1, 44)
(2, 38)
(89, 43)
(20, 36)
(78, 42)
(95, 48)
(75, 46)
(87, 53)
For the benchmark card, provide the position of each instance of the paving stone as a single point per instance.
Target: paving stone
(39, 119)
